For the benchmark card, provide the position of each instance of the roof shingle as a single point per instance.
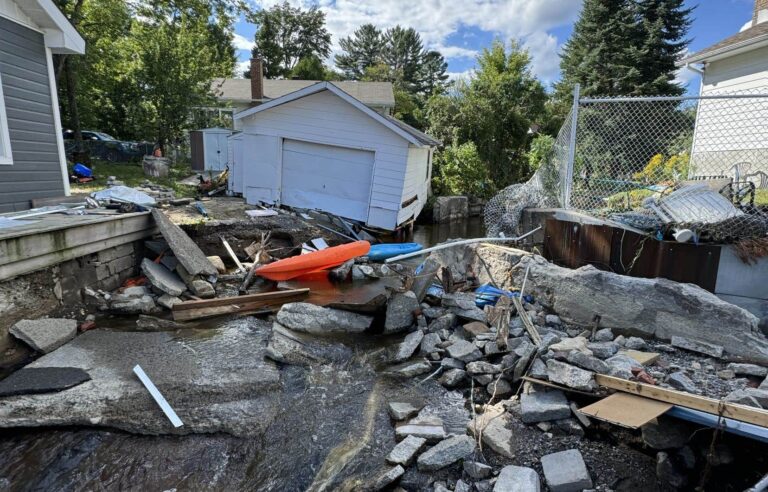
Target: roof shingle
(753, 34)
(369, 93)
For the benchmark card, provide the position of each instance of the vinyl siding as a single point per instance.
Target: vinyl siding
(732, 131)
(36, 169)
(416, 182)
(327, 119)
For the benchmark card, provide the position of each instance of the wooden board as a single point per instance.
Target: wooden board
(734, 411)
(527, 323)
(269, 301)
(644, 358)
(626, 410)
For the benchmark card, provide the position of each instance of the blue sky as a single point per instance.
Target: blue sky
(461, 28)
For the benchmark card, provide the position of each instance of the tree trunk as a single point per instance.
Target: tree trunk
(80, 152)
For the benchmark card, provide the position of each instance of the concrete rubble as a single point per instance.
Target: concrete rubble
(434, 342)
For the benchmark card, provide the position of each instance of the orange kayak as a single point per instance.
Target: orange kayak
(324, 259)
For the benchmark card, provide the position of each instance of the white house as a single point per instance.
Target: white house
(731, 137)
(321, 148)
(32, 160)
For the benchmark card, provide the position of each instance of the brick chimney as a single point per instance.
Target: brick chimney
(761, 12)
(257, 78)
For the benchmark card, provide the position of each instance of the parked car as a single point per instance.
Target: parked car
(104, 146)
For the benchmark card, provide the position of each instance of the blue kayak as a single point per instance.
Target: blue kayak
(380, 252)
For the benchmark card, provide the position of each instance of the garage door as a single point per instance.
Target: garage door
(334, 179)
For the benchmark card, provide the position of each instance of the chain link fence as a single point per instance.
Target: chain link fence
(688, 167)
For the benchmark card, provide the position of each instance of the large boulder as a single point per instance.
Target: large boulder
(655, 307)
(309, 318)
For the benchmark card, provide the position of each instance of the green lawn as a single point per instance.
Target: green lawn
(132, 174)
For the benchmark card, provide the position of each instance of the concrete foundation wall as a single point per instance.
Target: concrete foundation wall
(58, 289)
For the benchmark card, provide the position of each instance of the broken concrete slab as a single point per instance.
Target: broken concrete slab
(655, 307)
(405, 451)
(697, 346)
(32, 380)
(410, 369)
(403, 410)
(134, 305)
(429, 343)
(385, 478)
(162, 278)
(580, 359)
(428, 427)
(167, 301)
(566, 471)
(495, 427)
(571, 376)
(45, 334)
(185, 250)
(453, 378)
(464, 351)
(748, 369)
(309, 318)
(227, 385)
(445, 453)
(202, 289)
(543, 406)
(603, 350)
(680, 381)
(400, 309)
(517, 479)
(408, 346)
(292, 347)
(477, 470)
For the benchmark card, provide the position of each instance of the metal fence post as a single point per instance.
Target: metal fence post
(572, 147)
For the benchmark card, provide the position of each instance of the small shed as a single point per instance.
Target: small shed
(321, 148)
(209, 149)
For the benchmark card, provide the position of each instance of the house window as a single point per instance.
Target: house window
(5, 138)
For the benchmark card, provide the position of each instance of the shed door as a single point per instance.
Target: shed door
(215, 151)
(333, 179)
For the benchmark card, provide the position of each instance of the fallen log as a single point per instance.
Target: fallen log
(252, 303)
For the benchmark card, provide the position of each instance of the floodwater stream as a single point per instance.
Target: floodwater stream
(331, 433)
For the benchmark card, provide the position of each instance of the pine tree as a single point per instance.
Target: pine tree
(662, 29)
(361, 50)
(601, 54)
(404, 53)
(432, 73)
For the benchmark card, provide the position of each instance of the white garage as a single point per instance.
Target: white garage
(320, 148)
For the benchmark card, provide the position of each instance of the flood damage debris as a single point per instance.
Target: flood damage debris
(45, 334)
(157, 396)
(232, 391)
(186, 251)
(30, 381)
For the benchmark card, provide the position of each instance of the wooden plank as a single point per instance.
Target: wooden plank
(210, 312)
(734, 411)
(247, 299)
(626, 410)
(529, 326)
(644, 358)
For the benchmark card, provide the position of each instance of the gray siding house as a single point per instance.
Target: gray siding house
(32, 161)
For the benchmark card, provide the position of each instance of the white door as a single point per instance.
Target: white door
(260, 168)
(326, 177)
(215, 151)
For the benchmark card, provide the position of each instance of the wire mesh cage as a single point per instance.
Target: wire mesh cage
(660, 164)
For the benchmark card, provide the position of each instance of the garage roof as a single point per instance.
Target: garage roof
(369, 93)
(406, 131)
(60, 35)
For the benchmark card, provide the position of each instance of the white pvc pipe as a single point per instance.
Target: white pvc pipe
(159, 398)
(461, 243)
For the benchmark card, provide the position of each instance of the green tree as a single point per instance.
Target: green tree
(362, 49)
(309, 68)
(286, 34)
(460, 170)
(432, 74)
(404, 53)
(601, 54)
(494, 109)
(662, 30)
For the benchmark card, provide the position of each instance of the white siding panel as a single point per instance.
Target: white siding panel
(416, 184)
(261, 168)
(733, 131)
(324, 118)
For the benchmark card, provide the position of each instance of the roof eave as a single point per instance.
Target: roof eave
(727, 51)
(59, 34)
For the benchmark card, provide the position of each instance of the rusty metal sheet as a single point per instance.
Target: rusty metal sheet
(609, 248)
(574, 245)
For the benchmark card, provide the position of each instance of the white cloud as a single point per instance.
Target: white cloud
(242, 43)
(240, 68)
(465, 75)
(455, 51)
(437, 20)
(746, 26)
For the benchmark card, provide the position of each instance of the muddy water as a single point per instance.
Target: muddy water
(331, 433)
(432, 234)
